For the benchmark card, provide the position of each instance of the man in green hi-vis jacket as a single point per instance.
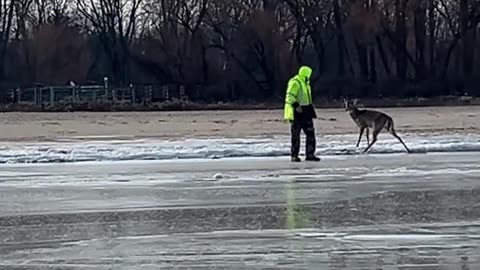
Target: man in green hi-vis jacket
(299, 111)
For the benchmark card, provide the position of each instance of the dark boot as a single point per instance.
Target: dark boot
(296, 159)
(312, 158)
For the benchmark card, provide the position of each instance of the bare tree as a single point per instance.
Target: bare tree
(6, 17)
(420, 29)
(244, 49)
(176, 30)
(54, 53)
(226, 21)
(114, 22)
(461, 19)
(315, 16)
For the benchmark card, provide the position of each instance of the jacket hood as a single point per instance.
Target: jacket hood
(305, 72)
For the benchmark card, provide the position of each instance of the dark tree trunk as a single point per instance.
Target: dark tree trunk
(420, 39)
(373, 66)
(431, 37)
(383, 56)
(340, 38)
(401, 37)
(468, 40)
(362, 59)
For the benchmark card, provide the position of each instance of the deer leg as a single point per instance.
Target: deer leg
(360, 136)
(374, 139)
(398, 137)
(368, 135)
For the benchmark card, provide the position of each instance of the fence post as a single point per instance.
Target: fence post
(149, 94)
(52, 96)
(114, 95)
(35, 96)
(40, 96)
(19, 95)
(105, 85)
(132, 93)
(166, 92)
(182, 92)
(74, 94)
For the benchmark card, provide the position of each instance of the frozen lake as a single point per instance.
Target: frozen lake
(378, 211)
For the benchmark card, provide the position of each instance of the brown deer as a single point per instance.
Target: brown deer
(370, 119)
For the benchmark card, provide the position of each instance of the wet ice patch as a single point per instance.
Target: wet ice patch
(399, 237)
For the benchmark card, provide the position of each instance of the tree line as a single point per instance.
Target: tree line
(245, 49)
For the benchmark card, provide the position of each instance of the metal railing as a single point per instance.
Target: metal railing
(51, 95)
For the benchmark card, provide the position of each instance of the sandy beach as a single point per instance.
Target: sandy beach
(21, 126)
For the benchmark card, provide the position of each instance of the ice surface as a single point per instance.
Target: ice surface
(149, 149)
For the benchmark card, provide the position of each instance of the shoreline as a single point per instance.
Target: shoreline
(47, 126)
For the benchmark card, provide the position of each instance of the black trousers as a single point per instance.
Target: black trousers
(305, 124)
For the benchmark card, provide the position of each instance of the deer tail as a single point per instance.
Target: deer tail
(390, 127)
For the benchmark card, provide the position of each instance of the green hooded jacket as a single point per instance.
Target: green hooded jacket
(299, 92)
